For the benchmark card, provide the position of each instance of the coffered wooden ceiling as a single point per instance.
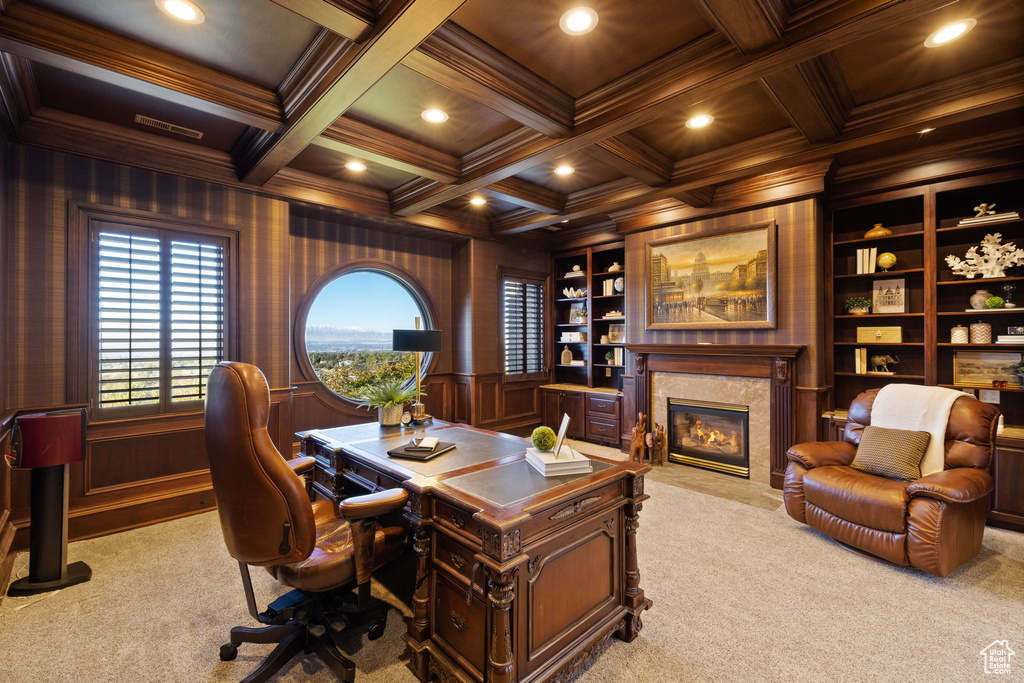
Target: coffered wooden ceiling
(285, 92)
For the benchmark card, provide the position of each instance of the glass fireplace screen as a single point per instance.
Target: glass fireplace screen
(709, 435)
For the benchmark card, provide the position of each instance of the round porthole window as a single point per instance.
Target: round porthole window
(349, 326)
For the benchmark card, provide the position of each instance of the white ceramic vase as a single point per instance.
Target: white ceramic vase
(979, 298)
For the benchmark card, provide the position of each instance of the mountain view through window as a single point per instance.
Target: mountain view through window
(348, 331)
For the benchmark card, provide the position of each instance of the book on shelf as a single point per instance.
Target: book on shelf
(879, 372)
(577, 362)
(619, 355)
(575, 273)
(860, 261)
(860, 360)
(872, 260)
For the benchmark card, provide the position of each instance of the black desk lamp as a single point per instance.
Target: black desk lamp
(419, 341)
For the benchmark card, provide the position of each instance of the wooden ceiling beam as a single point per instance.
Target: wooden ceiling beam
(707, 68)
(528, 195)
(750, 25)
(467, 65)
(403, 26)
(76, 134)
(975, 94)
(813, 95)
(629, 154)
(349, 18)
(697, 197)
(50, 38)
(18, 94)
(370, 143)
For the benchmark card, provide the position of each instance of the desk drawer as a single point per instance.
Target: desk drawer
(460, 626)
(603, 406)
(599, 429)
(369, 477)
(455, 558)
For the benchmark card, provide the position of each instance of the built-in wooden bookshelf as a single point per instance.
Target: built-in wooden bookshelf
(600, 265)
(925, 224)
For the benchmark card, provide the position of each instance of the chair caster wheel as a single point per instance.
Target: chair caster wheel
(376, 630)
(228, 651)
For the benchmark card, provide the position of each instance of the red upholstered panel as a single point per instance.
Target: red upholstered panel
(50, 439)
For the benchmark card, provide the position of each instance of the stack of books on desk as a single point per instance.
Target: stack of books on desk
(567, 462)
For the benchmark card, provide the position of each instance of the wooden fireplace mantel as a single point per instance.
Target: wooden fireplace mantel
(775, 362)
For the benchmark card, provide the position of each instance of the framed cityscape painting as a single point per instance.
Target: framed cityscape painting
(713, 280)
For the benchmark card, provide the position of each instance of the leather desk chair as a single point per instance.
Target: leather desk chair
(934, 524)
(268, 521)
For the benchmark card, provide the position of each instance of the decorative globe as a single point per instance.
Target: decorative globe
(994, 302)
(543, 438)
(886, 260)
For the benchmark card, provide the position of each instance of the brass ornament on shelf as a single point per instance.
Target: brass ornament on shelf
(877, 231)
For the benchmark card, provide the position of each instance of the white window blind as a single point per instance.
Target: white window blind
(524, 326)
(161, 316)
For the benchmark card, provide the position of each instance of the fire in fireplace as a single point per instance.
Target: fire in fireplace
(709, 435)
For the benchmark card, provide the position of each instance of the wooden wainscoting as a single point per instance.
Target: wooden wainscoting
(140, 471)
(490, 402)
(6, 518)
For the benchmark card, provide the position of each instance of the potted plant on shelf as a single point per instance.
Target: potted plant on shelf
(388, 397)
(1018, 369)
(858, 305)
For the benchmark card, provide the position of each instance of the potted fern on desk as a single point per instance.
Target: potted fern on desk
(388, 397)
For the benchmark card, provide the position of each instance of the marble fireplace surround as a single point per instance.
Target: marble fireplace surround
(761, 377)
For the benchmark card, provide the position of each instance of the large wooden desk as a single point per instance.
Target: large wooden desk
(519, 578)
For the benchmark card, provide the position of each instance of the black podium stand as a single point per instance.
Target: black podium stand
(47, 439)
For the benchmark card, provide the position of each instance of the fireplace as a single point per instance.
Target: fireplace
(711, 435)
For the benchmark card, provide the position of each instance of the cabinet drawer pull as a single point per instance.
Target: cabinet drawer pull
(458, 560)
(458, 520)
(457, 620)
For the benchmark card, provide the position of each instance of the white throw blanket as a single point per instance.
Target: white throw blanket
(920, 409)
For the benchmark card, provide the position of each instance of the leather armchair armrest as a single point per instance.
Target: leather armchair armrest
(822, 453)
(958, 485)
(372, 505)
(301, 465)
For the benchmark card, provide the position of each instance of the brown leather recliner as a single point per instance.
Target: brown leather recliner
(268, 520)
(934, 524)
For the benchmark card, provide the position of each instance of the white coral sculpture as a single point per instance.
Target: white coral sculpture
(993, 260)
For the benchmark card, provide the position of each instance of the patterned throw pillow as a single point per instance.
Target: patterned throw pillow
(891, 453)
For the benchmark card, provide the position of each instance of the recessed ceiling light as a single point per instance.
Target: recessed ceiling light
(578, 20)
(925, 130)
(355, 166)
(182, 10)
(564, 170)
(700, 121)
(477, 201)
(434, 115)
(950, 32)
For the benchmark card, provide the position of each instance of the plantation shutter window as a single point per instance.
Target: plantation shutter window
(160, 303)
(523, 313)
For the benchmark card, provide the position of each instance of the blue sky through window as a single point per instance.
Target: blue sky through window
(365, 300)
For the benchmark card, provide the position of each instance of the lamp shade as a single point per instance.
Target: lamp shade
(50, 439)
(416, 340)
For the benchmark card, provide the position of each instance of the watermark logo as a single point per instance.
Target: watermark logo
(997, 657)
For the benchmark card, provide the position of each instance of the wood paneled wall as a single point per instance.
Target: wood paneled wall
(799, 291)
(6, 519)
(319, 247)
(136, 470)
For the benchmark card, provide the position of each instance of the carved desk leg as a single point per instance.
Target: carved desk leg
(419, 625)
(635, 600)
(500, 663)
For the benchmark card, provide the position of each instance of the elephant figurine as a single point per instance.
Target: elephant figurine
(881, 363)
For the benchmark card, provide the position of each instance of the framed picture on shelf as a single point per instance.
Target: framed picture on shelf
(616, 333)
(578, 314)
(889, 296)
(981, 368)
(712, 279)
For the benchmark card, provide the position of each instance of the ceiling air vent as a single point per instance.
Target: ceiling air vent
(169, 127)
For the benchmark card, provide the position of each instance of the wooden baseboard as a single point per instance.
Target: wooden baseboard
(97, 521)
(7, 555)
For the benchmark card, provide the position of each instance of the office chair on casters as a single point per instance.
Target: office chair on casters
(267, 519)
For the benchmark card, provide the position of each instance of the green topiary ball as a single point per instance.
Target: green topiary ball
(994, 302)
(543, 438)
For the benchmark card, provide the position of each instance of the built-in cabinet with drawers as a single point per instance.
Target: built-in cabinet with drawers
(594, 415)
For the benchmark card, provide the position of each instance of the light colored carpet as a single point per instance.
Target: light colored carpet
(740, 594)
